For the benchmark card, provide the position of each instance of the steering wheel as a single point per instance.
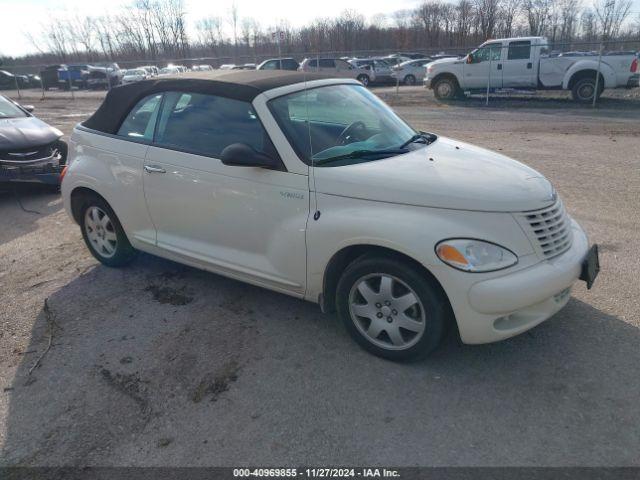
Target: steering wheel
(347, 135)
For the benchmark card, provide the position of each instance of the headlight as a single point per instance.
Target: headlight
(474, 255)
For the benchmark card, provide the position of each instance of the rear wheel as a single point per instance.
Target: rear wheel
(409, 80)
(103, 234)
(363, 79)
(445, 88)
(584, 89)
(391, 309)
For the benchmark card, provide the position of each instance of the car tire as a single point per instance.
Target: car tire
(363, 79)
(583, 89)
(371, 294)
(409, 80)
(446, 89)
(103, 233)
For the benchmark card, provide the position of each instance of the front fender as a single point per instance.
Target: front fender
(409, 230)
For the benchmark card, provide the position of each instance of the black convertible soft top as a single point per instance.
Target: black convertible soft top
(242, 85)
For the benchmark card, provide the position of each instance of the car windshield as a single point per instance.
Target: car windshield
(340, 125)
(9, 109)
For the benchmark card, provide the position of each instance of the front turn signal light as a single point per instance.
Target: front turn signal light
(472, 255)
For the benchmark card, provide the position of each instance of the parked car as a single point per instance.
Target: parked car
(104, 76)
(395, 59)
(411, 72)
(413, 55)
(248, 66)
(205, 68)
(34, 80)
(523, 63)
(382, 72)
(169, 71)
(228, 66)
(152, 71)
(30, 150)
(134, 75)
(50, 76)
(404, 233)
(74, 76)
(339, 68)
(10, 81)
(279, 64)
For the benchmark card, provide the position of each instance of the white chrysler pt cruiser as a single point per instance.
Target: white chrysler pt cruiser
(315, 188)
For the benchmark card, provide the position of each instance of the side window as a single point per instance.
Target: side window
(491, 51)
(271, 65)
(327, 63)
(206, 124)
(520, 50)
(142, 119)
(289, 64)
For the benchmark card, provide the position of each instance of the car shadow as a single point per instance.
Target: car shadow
(160, 364)
(22, 206)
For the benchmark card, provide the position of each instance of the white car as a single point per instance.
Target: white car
(134, 75)
(524, 63)
(315, 188)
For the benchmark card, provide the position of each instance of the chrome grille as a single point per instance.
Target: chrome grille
(549, 230)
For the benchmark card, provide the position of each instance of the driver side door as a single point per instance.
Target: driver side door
(245, 222)
(485, 67)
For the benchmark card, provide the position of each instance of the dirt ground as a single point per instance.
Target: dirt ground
(161, 364)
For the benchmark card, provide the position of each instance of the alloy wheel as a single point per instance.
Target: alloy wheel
(100, 232)
(387, 311)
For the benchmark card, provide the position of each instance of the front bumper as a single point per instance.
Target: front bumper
(45, 171)
(508, 305)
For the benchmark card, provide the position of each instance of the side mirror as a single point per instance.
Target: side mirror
(469, 58)
(243, 155)
(28, 108)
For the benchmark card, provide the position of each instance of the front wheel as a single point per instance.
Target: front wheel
(363, 79)
(104, 235)
(445, 89)
(409, 80)
(391, 309)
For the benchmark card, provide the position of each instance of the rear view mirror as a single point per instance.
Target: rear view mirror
(243, 155)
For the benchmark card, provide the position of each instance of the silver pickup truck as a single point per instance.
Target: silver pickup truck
(524, 63)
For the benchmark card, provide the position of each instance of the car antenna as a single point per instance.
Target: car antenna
(312, 178)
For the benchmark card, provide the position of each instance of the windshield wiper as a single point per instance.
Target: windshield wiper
(426, 137)
(361, 154)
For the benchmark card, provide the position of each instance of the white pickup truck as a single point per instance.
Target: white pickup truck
(525, 63)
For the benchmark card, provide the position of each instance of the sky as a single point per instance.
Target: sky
(20, 16)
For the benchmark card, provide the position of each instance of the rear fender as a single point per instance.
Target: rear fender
(606, 71)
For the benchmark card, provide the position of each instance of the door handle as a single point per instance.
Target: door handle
(154, 169)
(499, 66)
(529, 65)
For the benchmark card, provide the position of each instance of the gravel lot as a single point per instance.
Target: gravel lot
(160, 364)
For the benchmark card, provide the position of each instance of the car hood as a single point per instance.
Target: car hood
(447, 61)
(445, 174)
(26, 132)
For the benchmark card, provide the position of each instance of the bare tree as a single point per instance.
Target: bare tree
(538, 13)
(487, 13)
(611, 14)
(233, 19)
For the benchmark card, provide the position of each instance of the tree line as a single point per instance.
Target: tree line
(156, 30)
